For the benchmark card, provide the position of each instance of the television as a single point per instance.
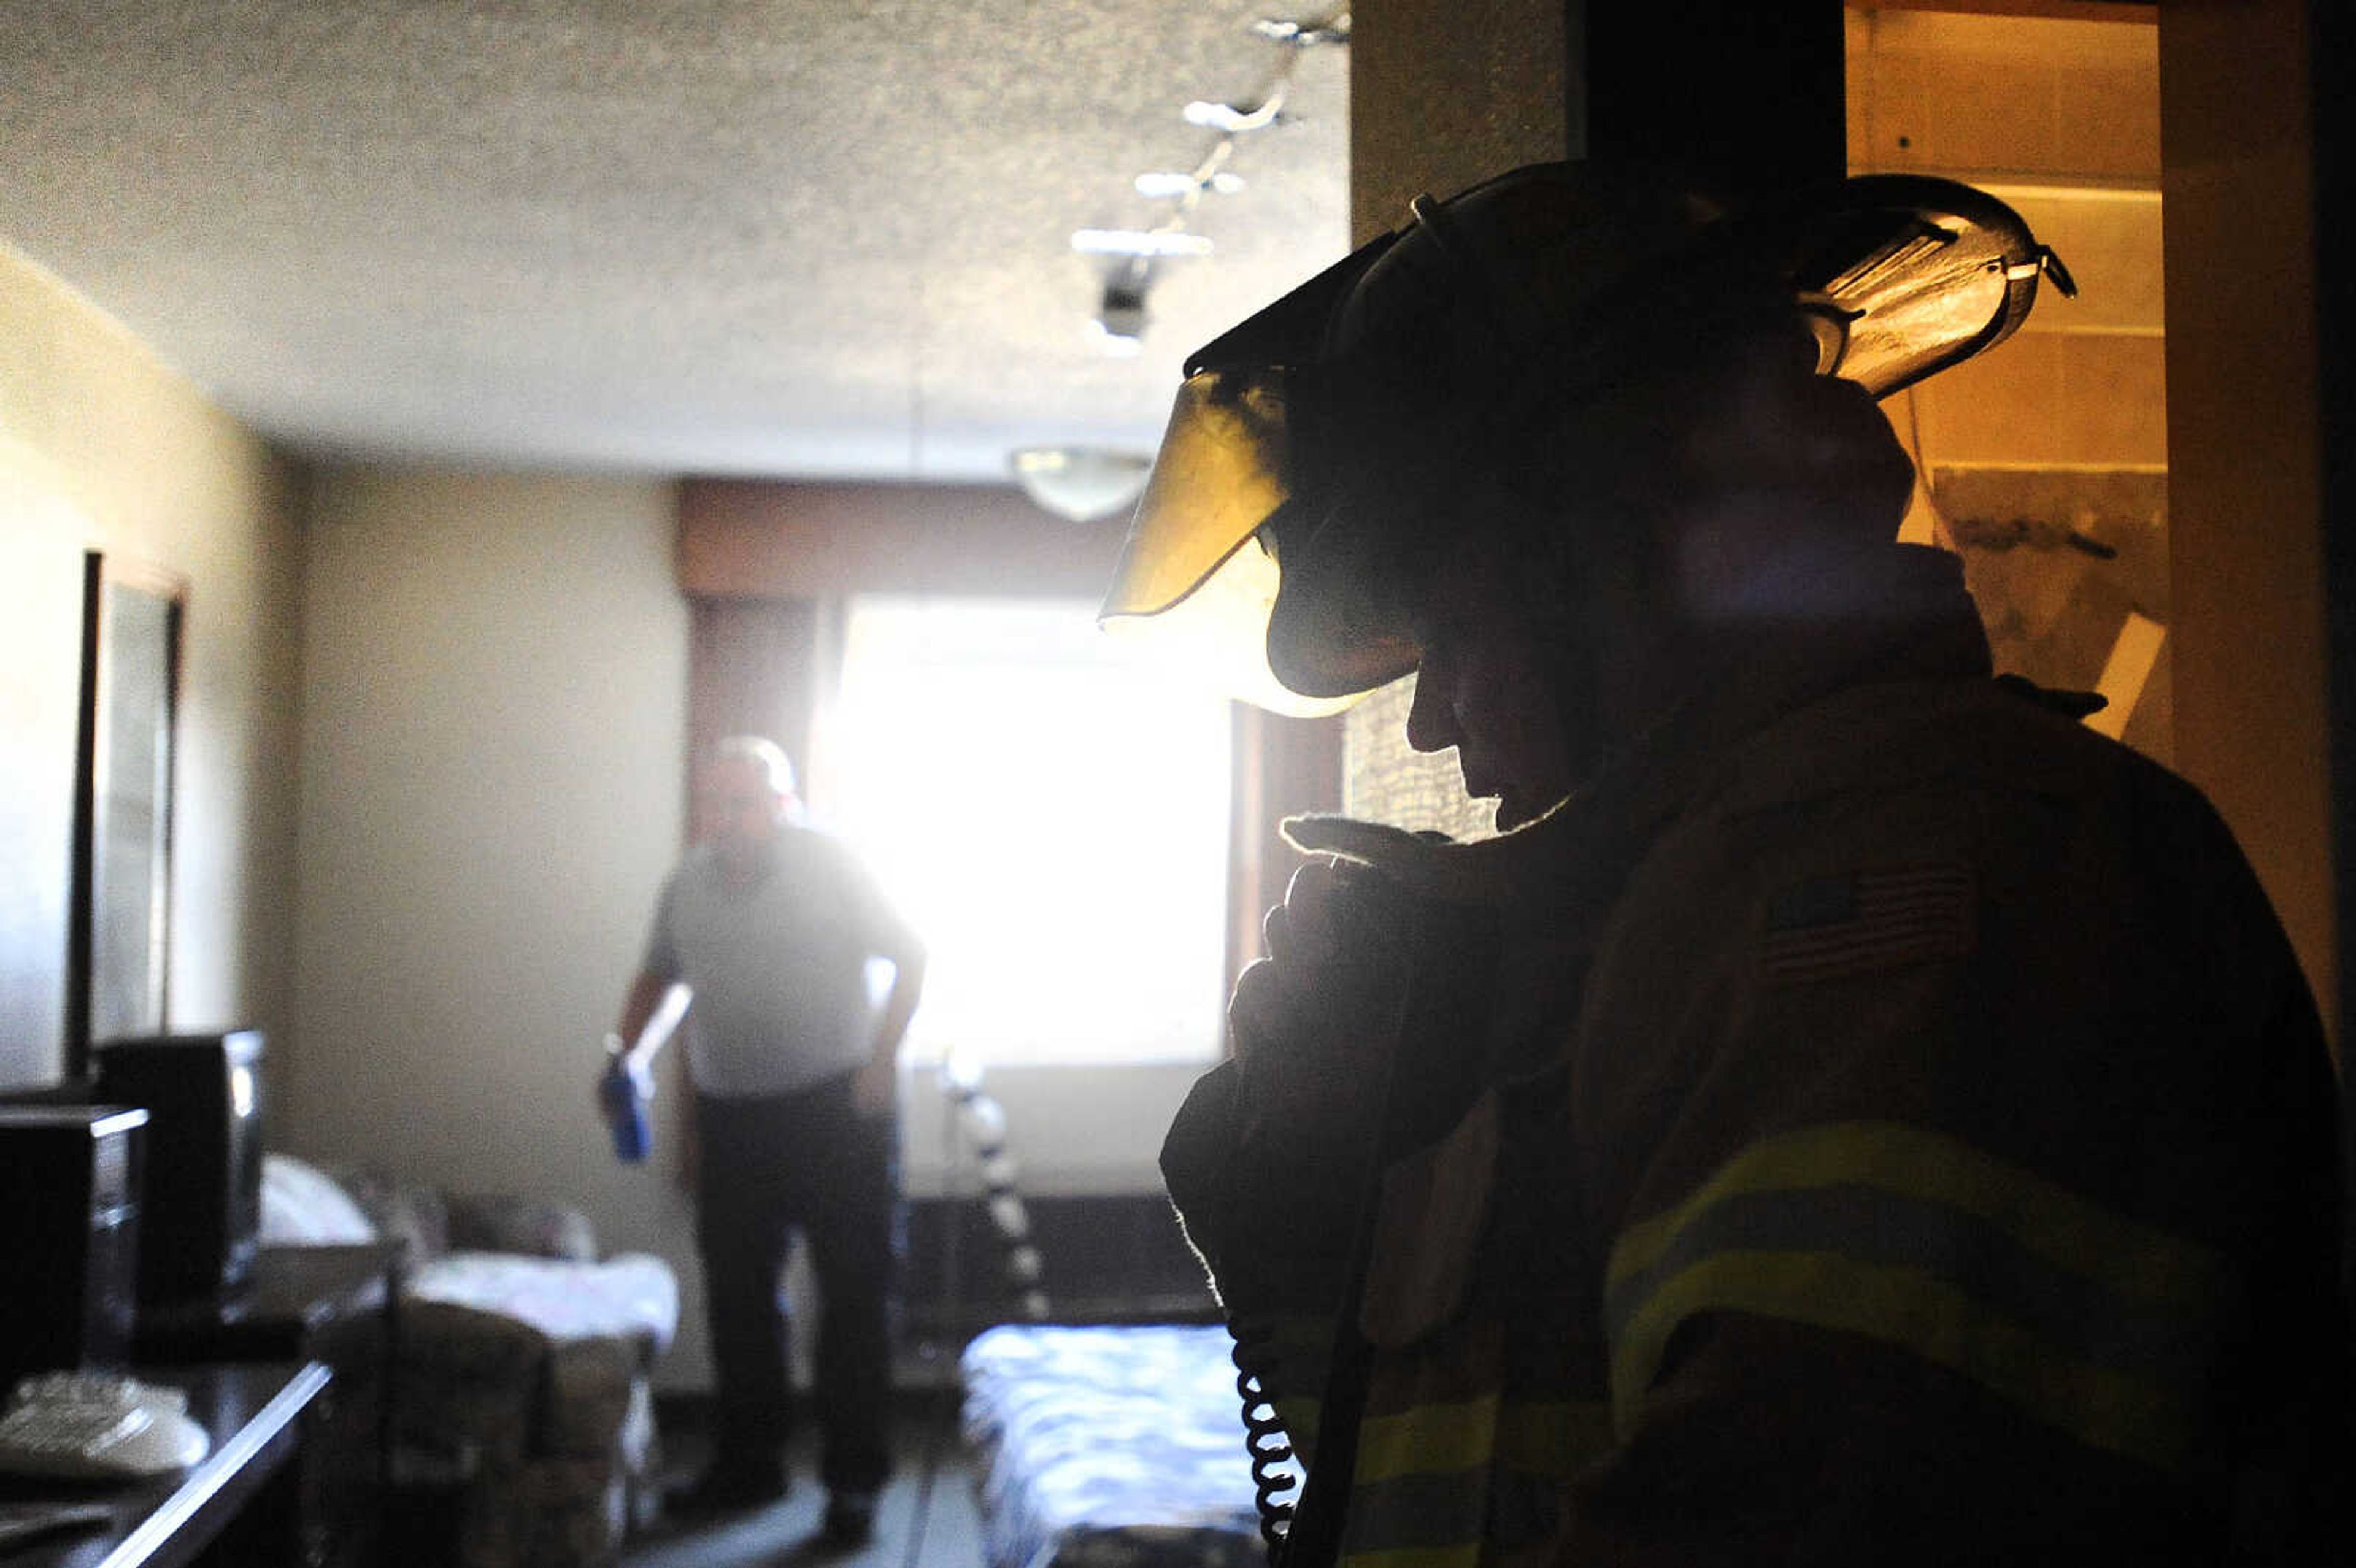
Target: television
(69, 1231)
(202, 1212)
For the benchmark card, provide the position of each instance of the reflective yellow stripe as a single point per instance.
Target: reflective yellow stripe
(1427, 1477)
(1432, 1439)
(1458, 1556)
(1934, 1168)
(1927, 1317)
(1554, 1438)
(2091, 1321)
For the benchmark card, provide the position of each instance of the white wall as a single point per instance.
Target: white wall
(103, 447)
(495, 680)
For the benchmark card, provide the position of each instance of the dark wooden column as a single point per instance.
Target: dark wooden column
(1748, 96)
(1445, 93)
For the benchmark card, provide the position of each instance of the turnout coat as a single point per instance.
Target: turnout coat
(1879, 1120)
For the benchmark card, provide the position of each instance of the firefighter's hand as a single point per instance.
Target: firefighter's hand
(1315, 1022)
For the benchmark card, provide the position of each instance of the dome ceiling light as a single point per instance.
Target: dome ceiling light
(1081, 484)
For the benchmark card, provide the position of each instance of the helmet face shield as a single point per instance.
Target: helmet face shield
(1198, 575)
(1318, 453)
(1221, 472)
(1199, 570)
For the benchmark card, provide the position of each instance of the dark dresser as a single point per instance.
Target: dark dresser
(240, 1507)
(332, 1306)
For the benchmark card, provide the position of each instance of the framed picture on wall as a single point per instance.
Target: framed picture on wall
(119, 941)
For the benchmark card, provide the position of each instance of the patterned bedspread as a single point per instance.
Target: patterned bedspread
(1109, 1448)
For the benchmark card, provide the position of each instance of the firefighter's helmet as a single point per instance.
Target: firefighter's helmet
(1313, 448)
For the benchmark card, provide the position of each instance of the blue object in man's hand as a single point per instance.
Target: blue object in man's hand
(624, 1090)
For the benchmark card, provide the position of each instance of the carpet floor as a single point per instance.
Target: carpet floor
(926, 1518)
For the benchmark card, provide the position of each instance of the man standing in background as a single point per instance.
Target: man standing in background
(771, 926)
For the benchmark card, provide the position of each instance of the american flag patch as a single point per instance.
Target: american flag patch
(1828, 928)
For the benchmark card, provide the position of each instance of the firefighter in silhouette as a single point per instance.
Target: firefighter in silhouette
(1851, 1112)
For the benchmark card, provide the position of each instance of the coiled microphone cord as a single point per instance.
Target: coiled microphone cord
(1265, 1440)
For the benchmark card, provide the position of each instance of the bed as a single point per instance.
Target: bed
(1117, 1447)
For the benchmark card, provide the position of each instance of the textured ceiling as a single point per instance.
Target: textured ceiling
(798, 238)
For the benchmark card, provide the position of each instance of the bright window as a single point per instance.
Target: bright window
(1050, 815)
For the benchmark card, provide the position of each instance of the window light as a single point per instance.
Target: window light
(1052, 816)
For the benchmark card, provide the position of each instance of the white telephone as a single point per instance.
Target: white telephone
(97, 1426)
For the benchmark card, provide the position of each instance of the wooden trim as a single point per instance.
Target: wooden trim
(752, 669)
(2250, 304)
(2141, 13)
(2332, 39)
(741, 538)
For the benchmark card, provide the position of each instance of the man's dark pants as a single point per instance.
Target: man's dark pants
(807, 1161)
